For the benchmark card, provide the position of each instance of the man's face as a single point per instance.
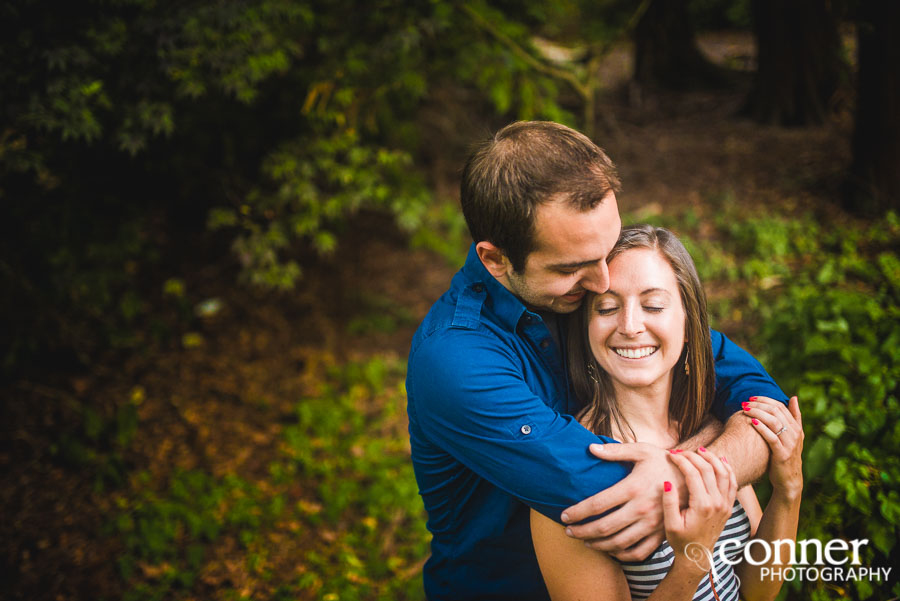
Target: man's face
(569, 256)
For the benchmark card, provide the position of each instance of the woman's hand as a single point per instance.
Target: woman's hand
(782, 428)
(711, 486)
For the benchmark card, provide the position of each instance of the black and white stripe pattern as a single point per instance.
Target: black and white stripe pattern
(644, 576)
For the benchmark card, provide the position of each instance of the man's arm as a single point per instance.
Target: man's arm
(744, 448)
(746, 451)
(738, 377)
(468, 396)
(711, 429)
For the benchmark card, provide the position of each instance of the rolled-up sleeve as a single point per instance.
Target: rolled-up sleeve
(470, 398)
(738, 377)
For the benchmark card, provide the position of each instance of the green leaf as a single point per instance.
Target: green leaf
(835, 427)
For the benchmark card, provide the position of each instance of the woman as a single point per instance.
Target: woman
(644, 365)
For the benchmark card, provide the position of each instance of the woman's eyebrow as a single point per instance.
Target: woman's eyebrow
(612, 292)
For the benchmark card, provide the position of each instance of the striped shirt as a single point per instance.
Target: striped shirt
(644, 576)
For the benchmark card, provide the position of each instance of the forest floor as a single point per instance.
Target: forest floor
(219, 399)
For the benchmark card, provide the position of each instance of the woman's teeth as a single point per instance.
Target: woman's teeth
(636, 353)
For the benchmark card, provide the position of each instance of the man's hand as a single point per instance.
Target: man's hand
(634, 530)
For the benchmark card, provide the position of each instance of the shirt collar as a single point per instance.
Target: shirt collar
(504, 304)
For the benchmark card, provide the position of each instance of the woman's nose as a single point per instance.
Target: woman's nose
(630, 322)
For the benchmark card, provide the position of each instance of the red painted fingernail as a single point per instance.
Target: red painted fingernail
(724, 460)
(702, 449)
(679, 450)
(746, 406)
(673, 451)
(755, 421)
(667, 486)
(753, 398)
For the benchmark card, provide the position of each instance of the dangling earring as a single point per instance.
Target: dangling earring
(687, 367)
(592, 373)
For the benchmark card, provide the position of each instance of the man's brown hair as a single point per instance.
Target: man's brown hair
(524, 165)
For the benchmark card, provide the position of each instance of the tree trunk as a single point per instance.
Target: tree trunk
(874, 184)
(665, 52)
(798, 61)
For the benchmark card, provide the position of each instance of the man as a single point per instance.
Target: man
(489, 404)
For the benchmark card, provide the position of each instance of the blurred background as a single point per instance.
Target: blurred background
(223, 220)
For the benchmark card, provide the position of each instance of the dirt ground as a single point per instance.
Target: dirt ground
(221, 406)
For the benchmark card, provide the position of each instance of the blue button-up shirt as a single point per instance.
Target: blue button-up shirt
(492, 434)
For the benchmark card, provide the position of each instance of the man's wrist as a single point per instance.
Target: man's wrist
(744, 449)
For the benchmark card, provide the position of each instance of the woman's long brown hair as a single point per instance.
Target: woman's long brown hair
(691, 394)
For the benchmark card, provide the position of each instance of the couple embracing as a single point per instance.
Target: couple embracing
(563, 334)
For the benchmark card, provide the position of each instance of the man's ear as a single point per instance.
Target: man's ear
(493, 259)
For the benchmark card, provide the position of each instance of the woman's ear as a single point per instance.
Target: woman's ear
(493, 259)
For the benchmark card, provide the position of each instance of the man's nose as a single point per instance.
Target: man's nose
(596, 278)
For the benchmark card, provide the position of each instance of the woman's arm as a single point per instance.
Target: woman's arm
(571, 569)
(779, 521)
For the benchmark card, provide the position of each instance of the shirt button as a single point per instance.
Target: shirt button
(545, 343)
(526, 429)
(477, 287)
(528, 319)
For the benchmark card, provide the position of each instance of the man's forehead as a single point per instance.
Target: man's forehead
(565, 236)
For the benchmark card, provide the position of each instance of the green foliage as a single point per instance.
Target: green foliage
(100, 441)
(359, 457)
(379, 314)
(343, 479)
(167, 534)
(314, 186)
(832, 335)
(273, 119)
(444, 231)
(829, 305)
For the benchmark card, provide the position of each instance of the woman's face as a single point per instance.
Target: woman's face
(636, 328)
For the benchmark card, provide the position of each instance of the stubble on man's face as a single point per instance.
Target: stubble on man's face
(569, 256)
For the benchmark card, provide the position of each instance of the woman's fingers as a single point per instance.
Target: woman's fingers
(794, 407)
(692, 477)
(672, 517)
(723, 472)
(781, 427)
(707, 473)
(764, 427)
(781, 420)
(772, 407)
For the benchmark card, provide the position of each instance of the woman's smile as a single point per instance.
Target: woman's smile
(636, 328)
(635, 352)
